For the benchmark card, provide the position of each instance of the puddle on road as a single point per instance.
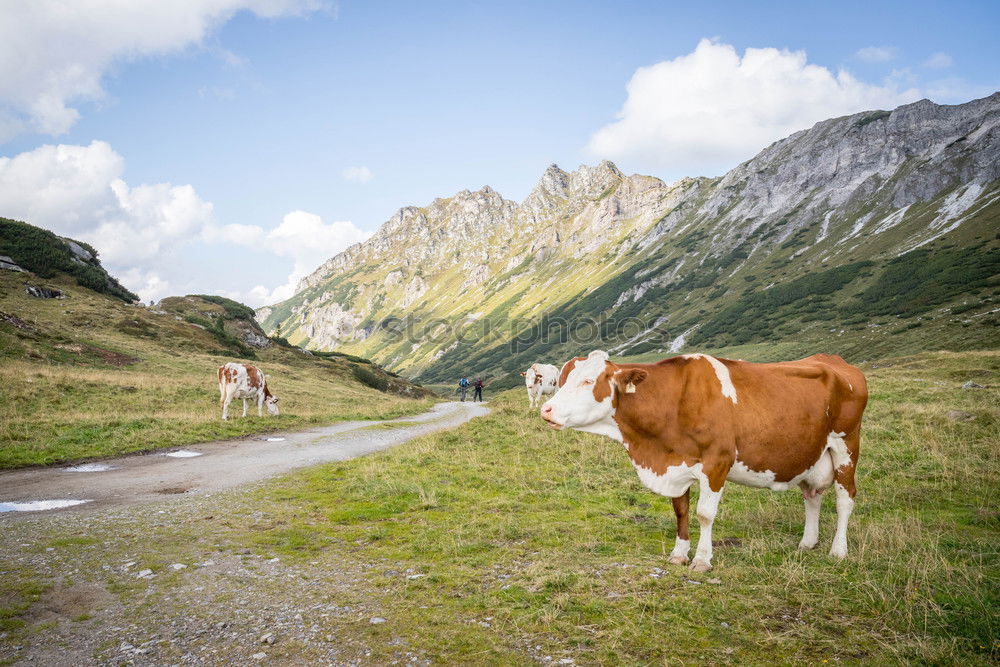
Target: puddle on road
(91, 467)
(39, 505)
(182, 454)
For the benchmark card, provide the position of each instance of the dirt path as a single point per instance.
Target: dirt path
(215, 466)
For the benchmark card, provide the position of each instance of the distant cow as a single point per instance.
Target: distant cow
(540, 379)
(246, 382)
(695, 419)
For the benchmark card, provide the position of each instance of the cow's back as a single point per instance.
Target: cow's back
(786, 411)
(241, 380)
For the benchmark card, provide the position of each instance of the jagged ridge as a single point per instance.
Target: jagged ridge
(859, 189)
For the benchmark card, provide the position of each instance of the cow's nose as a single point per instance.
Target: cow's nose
(546, 411)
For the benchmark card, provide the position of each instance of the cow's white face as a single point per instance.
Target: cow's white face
(531, 377)
(271, 403)
(586, 397)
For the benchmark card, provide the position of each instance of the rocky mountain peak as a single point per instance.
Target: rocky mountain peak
(554, 182)
(592, 182)
(551, 191)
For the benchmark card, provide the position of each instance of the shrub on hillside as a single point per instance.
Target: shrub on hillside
(366, 376)
(921, 279)
(234, 309)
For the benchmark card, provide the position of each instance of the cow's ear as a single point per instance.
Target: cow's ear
(629, 378)
(524, 374)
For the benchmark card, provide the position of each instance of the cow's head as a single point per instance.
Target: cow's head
(271, 403)
(587, 396)
(567, 369)
(531, 377)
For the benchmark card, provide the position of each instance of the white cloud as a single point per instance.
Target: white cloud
(939, 60)
(78, 191)
(144, 233)
(54, 54)
(702, 113)
(358, 174)
(877, 54)
(306, 240)
(147, 284)
(60, 187)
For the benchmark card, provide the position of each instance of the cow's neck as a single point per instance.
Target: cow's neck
(648, 419)
(607, 427)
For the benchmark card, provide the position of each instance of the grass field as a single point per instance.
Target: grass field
(90, 376)
(537, 545)
(551, 536)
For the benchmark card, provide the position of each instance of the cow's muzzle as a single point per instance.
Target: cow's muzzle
(546, 413)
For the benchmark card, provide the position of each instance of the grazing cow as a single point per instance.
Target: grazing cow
(540, 379)
(245, 381)
(695, 419)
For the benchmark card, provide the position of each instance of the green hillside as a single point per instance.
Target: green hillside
(47, 255)
(942, 296)
(90, 375)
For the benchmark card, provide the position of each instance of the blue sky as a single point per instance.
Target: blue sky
(218, 133)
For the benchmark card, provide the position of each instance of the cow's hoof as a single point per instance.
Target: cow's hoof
(700, 566)
(838, 553)
(678, 560)
(806, 546)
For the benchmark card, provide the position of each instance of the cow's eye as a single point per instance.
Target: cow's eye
(587, 382)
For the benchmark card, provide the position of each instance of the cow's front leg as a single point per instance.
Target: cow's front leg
(682, 546)
(244, 407)
(708, 507)
(813, 499)
(260, 405)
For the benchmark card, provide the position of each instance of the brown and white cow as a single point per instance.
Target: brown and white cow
(247, 382)
(695, 419)
(540, 379)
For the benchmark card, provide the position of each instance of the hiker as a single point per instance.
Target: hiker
(478, 394)
(463, 386)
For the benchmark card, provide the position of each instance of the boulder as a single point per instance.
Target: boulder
(43, 292)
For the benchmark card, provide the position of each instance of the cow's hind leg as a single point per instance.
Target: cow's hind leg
(227, 398)
(244, 407)
(845, 458)
(682, 546)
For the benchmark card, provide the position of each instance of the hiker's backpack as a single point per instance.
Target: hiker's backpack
(463, 383)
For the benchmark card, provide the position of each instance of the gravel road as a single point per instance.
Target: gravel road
(212, 466)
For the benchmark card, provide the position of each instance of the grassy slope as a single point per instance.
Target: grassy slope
(551, 537)
(64, 396)
(536, 543)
